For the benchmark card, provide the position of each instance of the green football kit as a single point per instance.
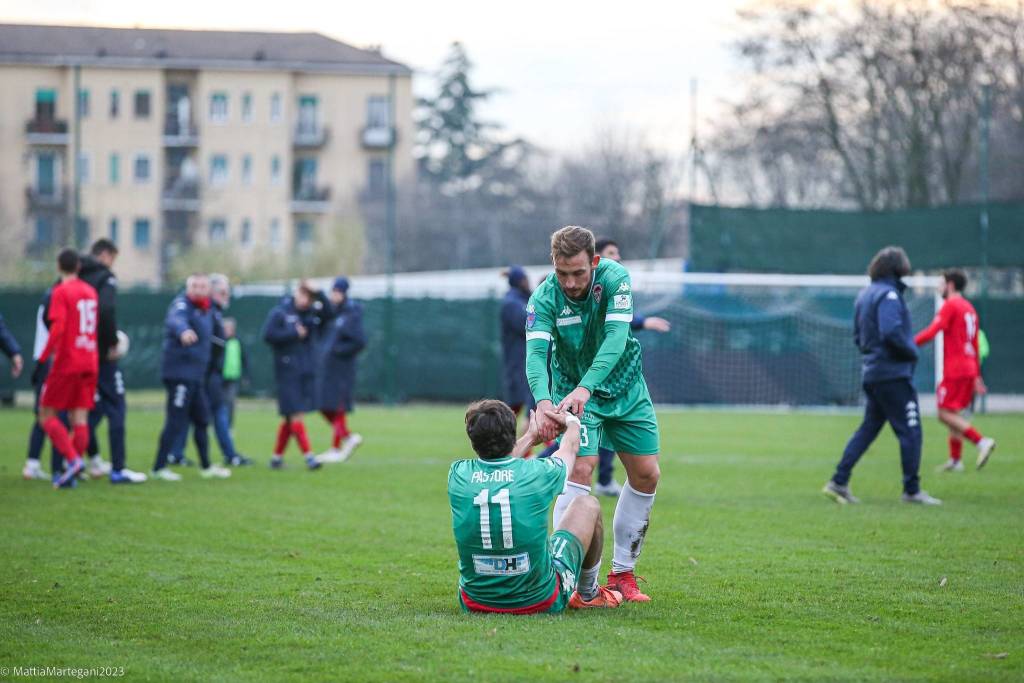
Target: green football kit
(593, 347)
(507, 561)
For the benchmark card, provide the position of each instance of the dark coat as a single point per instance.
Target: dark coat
(342, 338)
(215, 370)
(186, 363)
(8, 344)
(100, 278)
(883, 333)
(513, 347)
(293, 356)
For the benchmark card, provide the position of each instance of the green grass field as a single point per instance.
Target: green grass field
(349, 573)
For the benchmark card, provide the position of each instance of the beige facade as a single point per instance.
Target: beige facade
(255, 156)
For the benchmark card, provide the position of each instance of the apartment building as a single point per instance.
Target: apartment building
(166, 140)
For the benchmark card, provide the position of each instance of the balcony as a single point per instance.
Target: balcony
(178, 134)
(52, 199)
(46, 131)
(378, 137)
(310, 136)
(180, 195)
(311, 199)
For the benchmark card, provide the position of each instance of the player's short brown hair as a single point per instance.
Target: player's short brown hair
(68, 261)
(568, 241)
(889, 262)
(957, 277)
(491, 427)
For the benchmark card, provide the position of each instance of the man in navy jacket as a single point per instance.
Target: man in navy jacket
(342, 339)
(291, 329)
(883, 333)
(188, 335)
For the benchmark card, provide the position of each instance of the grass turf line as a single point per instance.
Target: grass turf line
(349, 573)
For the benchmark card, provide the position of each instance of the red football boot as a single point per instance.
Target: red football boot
(625, 583)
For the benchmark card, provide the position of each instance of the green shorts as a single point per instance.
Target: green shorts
(625, 423)
(567, 561)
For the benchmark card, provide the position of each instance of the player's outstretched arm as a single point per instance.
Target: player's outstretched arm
(529, 439)
(569, 446)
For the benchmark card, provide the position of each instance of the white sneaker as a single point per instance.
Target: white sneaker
(215, 472)
(952, 466)
(165, 474)
(921, 498)
(127, 476)
(985, 448)
(33, 470)
(611, 490)
(98, 467)
(348, 446)
(329, 456)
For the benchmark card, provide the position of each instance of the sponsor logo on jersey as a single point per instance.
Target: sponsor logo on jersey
(624, 287)
(573, 320)
(531, 318)
(501, 565)
(623, 301)
(566, 310)
(598, 291)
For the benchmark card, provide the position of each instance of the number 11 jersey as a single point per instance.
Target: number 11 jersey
(500, 511)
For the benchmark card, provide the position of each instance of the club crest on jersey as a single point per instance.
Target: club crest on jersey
(531, 317)
(598, 290)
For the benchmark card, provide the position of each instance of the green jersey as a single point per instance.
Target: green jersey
(500, 511)
(593, 345)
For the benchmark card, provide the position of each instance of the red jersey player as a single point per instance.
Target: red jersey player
(961, 372)
(71, 383)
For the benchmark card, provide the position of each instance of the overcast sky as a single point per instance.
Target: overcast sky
(565, 68)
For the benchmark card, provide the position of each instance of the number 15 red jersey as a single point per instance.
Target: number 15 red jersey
(72, 342)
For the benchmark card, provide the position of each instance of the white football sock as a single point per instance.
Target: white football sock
(572, 490)
(632, 515)
(587, 585)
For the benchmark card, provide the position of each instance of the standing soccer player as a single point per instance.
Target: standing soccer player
(342, 339)
(961, 373)
(110, 394)
(71, 383)
(507, 562)
(290, 329)
(585, 308)
(881, 330)
(188, 332)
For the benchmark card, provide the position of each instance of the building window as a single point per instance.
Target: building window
(142, 104)
(114, 231)
(81, 232)
(141, 233)
(276, 108)
(82, 168)
(378, 112)
(247, 169)
(44, 231)
(377, 178)
(46, 104)
(141, 168)
(218, 169)
(246, 107)
(83, 103)
(304, 234)
(219, 107)
(218, 231)
(275, 232)
(307, 114)
(246, 237)
(115, 104)
(47, 172)
(275, 170)
(115, 168)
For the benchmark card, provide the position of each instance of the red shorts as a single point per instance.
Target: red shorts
(955, 393)
(69, 391)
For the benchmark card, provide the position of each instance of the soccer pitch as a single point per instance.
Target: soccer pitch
(349, 573)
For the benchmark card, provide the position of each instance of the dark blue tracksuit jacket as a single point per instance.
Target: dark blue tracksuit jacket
(294, 358)
(341, 340)
(513, 346)
(180, 362)
(883, 333)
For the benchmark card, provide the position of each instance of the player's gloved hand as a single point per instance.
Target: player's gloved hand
(575, 401)
(188, 338)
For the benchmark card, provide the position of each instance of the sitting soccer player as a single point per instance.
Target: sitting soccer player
(500, 504)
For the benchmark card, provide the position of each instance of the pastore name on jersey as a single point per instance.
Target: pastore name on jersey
(493, 477)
